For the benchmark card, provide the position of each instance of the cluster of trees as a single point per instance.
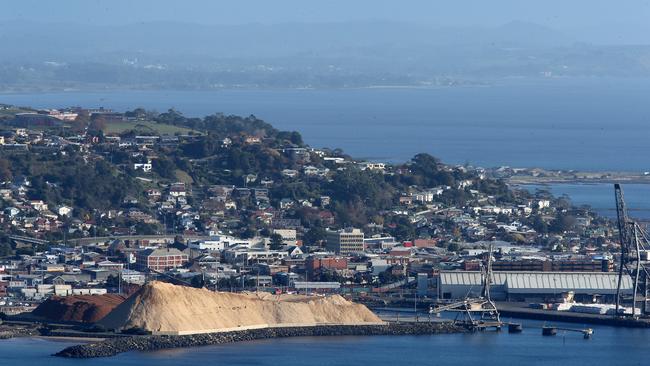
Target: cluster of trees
(224, 125)
(358, 195)
(561, 222)
(69, 179)
(388, 276)
(5, 170)
(5, 246)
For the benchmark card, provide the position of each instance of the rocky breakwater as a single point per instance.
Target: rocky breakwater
(114, 346)
(14, 330)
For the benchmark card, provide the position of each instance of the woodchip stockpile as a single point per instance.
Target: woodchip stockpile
(163, 308)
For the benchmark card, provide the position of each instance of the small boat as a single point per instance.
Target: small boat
(515, 328)
(549, 331)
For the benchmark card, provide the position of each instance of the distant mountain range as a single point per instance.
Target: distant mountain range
(180, 55)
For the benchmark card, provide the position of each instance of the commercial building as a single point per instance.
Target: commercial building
(346, 241)
(160, 259)
(288, 236)
(248, 256)
(219, 242)
(316, 264)
(131, 276)
(533, 286)
(316, 286)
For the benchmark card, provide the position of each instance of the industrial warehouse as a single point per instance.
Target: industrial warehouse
(534, 286)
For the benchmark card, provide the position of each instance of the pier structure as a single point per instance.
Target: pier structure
(551, 331)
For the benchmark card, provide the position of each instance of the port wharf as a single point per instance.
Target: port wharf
(521, 312)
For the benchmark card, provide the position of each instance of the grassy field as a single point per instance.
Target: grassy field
(144, 126)
(11, 112)
(181, 176)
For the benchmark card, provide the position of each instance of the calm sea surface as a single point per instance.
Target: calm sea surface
(601, 197)
(587, 124)
(609, 346)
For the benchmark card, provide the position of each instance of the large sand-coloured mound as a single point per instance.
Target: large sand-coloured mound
(163, 308)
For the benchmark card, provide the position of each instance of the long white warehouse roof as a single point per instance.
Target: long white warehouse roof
(536, 282)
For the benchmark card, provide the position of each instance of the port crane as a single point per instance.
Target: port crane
(634, 243)
(478, 313)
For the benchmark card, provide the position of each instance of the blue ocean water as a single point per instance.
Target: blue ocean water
(609, 346)
(585, 124)
(600, 197)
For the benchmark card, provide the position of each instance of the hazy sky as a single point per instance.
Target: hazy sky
(609, 21)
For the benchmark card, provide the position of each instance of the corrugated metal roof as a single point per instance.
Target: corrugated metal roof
(529, 282)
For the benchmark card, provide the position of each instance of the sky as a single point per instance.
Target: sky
(601, 21)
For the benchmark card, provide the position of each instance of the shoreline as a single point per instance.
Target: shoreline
(115, 346)
(550, 181)
(63, 338)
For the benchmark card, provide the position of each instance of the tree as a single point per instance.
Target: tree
(314, 236)
(388, 277)
(538, 223)
(164, 167)
(81, 121)
(5, 170)
(98, 124)
(453, 247)
(276, 242)
(198, 281)
(404, 229)
(138, 113)
(562, 223)
(5, 249)
(426, 171)
(112, 281)
(330, 276)
(292, 136)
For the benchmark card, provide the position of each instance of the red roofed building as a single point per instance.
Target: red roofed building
(316, 264)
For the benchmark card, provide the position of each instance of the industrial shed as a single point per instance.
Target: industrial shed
(529, 286)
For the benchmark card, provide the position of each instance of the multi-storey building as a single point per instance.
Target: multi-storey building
(160, 259)
(346, 241)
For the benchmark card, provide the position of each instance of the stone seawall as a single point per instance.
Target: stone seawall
(114, 346)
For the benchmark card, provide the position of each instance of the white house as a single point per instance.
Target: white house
(372, 166)
(63, 210)
(291, 173)
(11, 211)
(145, 167)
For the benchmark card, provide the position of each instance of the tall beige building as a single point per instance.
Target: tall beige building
(346, 241)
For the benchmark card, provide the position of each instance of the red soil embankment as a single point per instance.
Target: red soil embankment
(78, 308)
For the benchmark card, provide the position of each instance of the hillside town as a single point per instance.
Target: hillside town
(140, 196)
